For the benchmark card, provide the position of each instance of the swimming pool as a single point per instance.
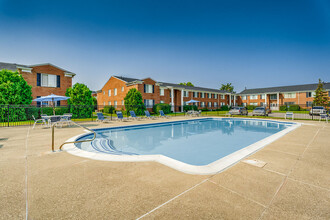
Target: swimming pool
(200, 146)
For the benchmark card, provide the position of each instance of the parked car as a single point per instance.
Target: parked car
(317, 110)
(260, 111)
(238, 111)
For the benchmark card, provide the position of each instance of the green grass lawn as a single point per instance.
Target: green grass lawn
(296, 112)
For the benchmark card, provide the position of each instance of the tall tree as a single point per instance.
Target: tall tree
(187, 84)
(227, 87)
(81, 101)
(321, 96)
(14, 90)
(133, 102)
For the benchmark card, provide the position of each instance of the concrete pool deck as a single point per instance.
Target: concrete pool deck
(294, 183)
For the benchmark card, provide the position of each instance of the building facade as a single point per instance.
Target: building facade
(274, 97)
(45, 79)
(154, 92)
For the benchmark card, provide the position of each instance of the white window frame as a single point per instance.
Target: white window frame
(162, 102)
(215, 96)
(148, 88)
(203, 95)
(109, 103)
(270, 96)
(149, 103)
(222, 96)
(161, 92)
(115, 104)
(122, 88)
(122, 102)
(202, 104)
(243, 97)
(48, 80)
(253, 97)
(290, 95)
(195, 94)
(115, 91)
(209, 104)
(109, 92)
(215, 104)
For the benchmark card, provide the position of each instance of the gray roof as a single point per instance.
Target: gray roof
(13, 66)
(10, 66)
(127, 79)
(193, 87)
(295, 88)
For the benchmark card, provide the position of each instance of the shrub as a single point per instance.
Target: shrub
(134, 102)
(81, 101)
(162, 106)
(189, 107)
(283, 108)
(204, 109)
(251, 107)
(294, 108)
(109, 109)
(224, 108)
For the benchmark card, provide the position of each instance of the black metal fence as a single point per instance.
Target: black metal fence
(19, 115)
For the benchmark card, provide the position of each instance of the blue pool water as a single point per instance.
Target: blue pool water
(195, 142)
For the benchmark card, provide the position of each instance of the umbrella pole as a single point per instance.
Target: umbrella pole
(53, 107)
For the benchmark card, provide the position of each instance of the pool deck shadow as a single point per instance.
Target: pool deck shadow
(39, 184)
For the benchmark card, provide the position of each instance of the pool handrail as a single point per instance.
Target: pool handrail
(71, 142)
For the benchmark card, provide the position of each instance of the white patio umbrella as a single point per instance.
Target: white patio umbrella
(191, 101)
(51, 98)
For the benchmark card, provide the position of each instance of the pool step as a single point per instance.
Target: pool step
(105, 146)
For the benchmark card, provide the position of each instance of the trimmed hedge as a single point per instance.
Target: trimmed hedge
(225, 108)
(290, 108)
(190, 107)
(162, 106)
(251, 107)
(109, 109)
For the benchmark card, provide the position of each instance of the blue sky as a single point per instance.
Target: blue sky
(248, 43)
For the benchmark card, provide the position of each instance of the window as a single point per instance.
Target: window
(262, 96)
(202, 104)
(195, 94)
(48, 80)
(262, 104)
(109, 103)
(103, 92)
(289, 103)
(222, 103)
(162, 102)
(289, 95)
(215, 96)
(103, 103)
(253, 97)
(162, 92)
(210, 104)
(122, 89)
(310, 94)
(148, 88)
(115, 104)
(202, 95)
(244, 104)
(185, 94)
(243, 97)
(115, 91)
(254, 103)
(209, 95)
(109, 92)
(222, 96)
(215, 104)
(122, 102)
(149, 103)
(273, 96)
(309, 104)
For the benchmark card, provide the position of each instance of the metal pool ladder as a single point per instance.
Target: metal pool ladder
(71, 142)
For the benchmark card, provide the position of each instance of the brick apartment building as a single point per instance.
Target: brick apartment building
(154, 92)
(45, 79)
(273, 97)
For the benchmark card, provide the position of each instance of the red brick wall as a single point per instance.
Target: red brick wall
(31, 79)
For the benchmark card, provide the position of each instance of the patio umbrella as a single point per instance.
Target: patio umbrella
(192, 101)
(51, 98)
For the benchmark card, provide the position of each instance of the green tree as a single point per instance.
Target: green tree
(133, 102)
(187, 84)
(227, 87)
(321, 96)
(14, 90)
(81, 101)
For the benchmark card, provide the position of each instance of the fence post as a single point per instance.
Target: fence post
(8, 115)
